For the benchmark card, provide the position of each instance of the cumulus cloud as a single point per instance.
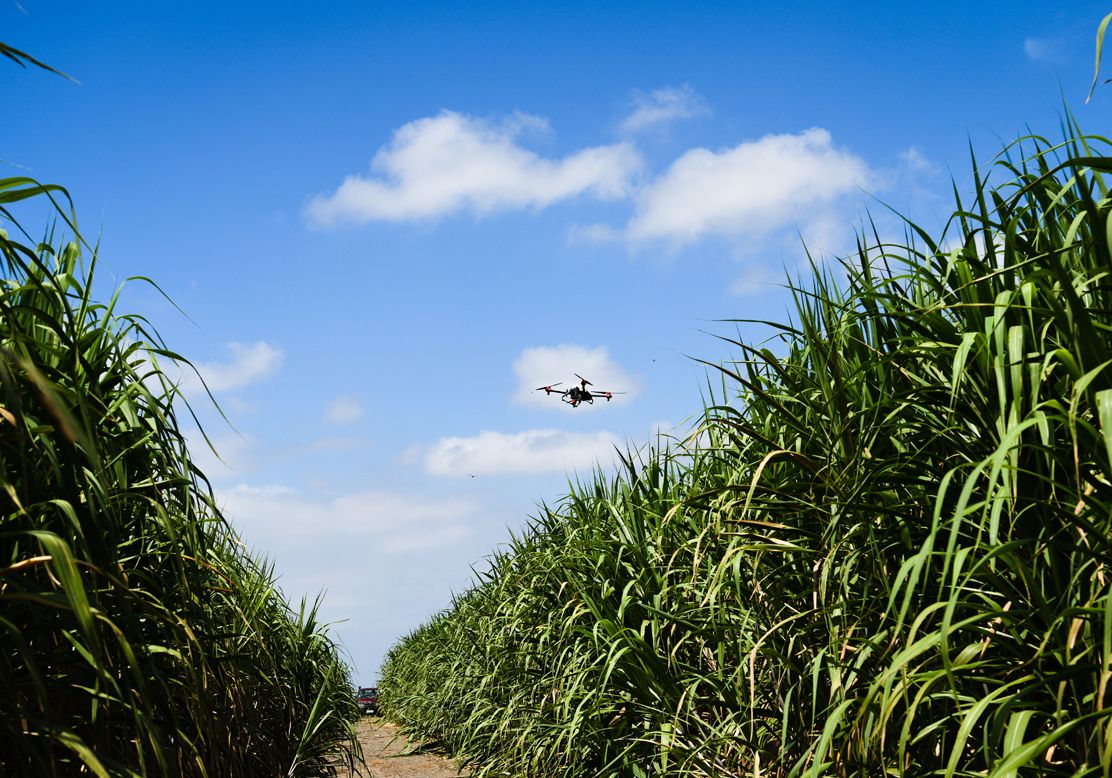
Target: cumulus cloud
(247, 363)
(344, 410)
(544, 365)
(443, 164)
(661, 106)
(752, 189)
(532, 451)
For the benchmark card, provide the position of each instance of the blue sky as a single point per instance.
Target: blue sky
(387, 223)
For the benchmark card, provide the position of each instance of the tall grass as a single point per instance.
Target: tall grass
(136, 635)
(884, 550)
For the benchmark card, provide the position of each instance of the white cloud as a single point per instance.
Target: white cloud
(252, 493)
(344, 410)
(915, 161)
(751, 190)
(233, 457)
(387, 521)
(545, 365)
(385, 560)
(532, 451)
(758, 279)
(248, 362)
(594, 234)
(1044, 49)
(661, 106)
(453, 162)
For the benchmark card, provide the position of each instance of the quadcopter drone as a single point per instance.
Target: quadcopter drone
(577, 394)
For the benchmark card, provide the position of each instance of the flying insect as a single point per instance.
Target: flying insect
(577, 394)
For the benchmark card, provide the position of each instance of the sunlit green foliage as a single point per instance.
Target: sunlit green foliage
(885, 550)
(137, 637)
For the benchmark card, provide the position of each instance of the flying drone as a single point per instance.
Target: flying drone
(577, 394)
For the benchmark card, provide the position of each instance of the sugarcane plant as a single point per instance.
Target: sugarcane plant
(137, 636)
(883, 550)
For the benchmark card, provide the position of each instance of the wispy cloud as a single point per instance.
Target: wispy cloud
(1045, 49)
(231, 455)
(662, 106)
(344, 410)
(247, 363)
(757, 278)
(389, 522)
(544, 365)
(915, 161)
(453, 162)
(532, 451)
(385, 559)
(751, 190)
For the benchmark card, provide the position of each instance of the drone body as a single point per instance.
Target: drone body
(577, 394)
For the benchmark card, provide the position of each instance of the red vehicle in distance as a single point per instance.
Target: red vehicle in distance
(367, 699)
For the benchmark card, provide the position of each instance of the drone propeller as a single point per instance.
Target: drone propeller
(583, 380)
(547, 389)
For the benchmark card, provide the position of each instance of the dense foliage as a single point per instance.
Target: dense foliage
(136, 635)
(887, 553)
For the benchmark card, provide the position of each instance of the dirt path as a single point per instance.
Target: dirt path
(389, 755)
